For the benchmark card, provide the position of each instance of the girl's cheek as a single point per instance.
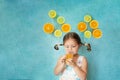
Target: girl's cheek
(67, 50)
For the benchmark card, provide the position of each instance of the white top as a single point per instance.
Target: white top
(69, 73)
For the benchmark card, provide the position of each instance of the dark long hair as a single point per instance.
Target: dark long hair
(74, 36)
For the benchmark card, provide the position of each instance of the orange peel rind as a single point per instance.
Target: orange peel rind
(94, 24)
(69, 56)
(48, 28)
(82, 26)
(66, 28)
(97, 33)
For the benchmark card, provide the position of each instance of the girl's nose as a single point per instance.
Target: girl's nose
(70, 48)
(70, 51)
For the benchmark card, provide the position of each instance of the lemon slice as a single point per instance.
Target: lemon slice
(60, 20)
(87, 34)
(94, 24)
(52, 13)
(87, 18)
(48, 28)
(82, 26)
(66, 28)
(97, 33)
(58, 33)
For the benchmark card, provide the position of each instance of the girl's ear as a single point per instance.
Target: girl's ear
(80, 45)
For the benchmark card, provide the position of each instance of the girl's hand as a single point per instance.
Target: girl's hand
(62, 59)
(70, 62)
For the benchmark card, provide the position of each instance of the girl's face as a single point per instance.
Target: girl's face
(71, 46)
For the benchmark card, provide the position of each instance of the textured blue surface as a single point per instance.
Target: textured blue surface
(26, 52)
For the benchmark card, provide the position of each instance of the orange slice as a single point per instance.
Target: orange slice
(82, 26)
(87, 34)
(52, 13)
(48, 28)
(60, 19)
(66, 28)
(69, 56)
(87, 18)
(58, 33)
(97, 33)
(94, 24)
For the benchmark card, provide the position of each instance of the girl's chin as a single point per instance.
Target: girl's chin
(72, 53)
(75, 54)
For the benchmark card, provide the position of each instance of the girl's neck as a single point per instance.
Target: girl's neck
(75, 55)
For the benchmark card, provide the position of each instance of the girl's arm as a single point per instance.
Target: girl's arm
(59, 68)
(80, 71)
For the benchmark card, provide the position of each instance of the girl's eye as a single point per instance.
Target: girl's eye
(73, 46)
(67, 46)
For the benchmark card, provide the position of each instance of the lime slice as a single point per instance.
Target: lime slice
(87, 34)
(97, 33)
(87, 18)
(60, 19)
(48, 28)
(94, 24)
(52, 13)
(66, 28)
(82, 26)
(58, 33)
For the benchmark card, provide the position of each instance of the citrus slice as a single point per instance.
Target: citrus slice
(87, 34)
(48, 28)
(97, 33)
(69, 56)
(66, 28)
(87, 18)
(94, 24)
(60, 19)
(82, 26)
(58, 33)
(52, 13)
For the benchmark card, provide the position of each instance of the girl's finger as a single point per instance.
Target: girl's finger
(63, 57)
(70, 60)
(67, 63)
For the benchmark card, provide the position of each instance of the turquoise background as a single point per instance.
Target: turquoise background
(26, 52)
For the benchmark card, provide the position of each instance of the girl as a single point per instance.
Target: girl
(74, 68)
